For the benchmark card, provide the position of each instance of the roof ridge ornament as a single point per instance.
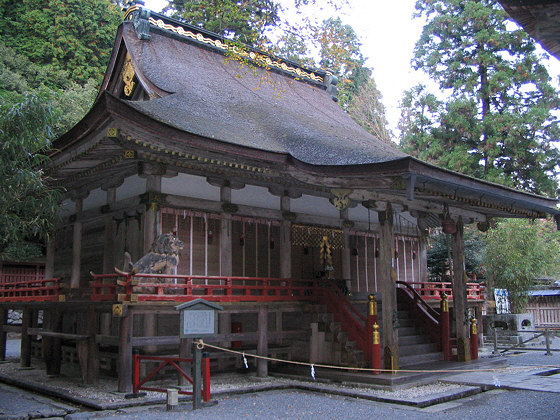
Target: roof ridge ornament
(140, 18)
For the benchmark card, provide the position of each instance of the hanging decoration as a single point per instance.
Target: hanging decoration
(448, 224)
(312, 236)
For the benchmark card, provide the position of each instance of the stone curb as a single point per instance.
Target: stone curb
(421, 402)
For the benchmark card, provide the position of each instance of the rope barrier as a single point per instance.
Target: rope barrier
(201, 344)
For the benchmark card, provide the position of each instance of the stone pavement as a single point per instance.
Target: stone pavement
(531, 371)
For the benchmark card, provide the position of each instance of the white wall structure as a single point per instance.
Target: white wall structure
(67, 208)
(316, 206)
(190, 186)
(255, 196)
(131, 187)
(360, 214)
(96, 198)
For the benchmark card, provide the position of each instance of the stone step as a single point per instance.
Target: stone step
(409, 340)
(417, 349)
(414, 360)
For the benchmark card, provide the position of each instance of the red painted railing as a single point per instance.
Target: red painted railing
(351, 320)
(30, 290)
(177, 288)
(433, 290)
(138, 384)
(425, 314)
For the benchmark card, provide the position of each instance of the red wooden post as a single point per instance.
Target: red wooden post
(135, 371)
(371, 319)
(375, 349)
(205, 377)
(444, 327)
(474, 340)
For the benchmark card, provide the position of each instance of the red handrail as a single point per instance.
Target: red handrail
(432, 290)
(39, 290)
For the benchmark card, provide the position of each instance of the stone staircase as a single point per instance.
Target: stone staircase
(329, 343)
(415, 346)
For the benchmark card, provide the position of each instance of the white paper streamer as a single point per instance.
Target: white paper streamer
(245, 361)
(312, 372)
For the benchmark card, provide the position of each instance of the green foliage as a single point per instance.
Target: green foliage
(440, 249)
(367, 110)
(245, 21)
(498, 122)
(28, 207)
(517, 252)
(74, 37)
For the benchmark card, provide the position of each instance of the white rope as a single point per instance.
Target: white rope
(350, 368)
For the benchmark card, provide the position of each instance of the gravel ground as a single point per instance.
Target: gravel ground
(292, 404)
(105, 391)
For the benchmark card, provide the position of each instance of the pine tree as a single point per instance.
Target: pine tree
(498, 122)
(71, 36)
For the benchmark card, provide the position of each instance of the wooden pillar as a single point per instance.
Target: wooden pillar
(88, 352)
(152, 228)
(152, 222)
(3, 334)
(49, 263)
(388, 289)
(109, 250)
(25, 353)
(224, 327)
(185, 351)
(226, 262)
(77, 246)
(285, 240)
(262, 344)
(125, 353)
(423, 255)
(109, 233)
(346, 260)
(52, 346)
(459, 286)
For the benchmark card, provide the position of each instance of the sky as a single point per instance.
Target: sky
(388, 33)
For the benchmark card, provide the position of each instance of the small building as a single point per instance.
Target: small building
(284, 205)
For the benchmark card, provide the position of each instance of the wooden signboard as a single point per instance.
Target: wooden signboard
(199, 318)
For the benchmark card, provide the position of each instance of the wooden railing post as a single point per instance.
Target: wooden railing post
(375, 349)
(135, 371)
(444, 325)
(474, 340)
(205, 376)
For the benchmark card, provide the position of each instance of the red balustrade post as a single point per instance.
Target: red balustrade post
(375, 353)
(474, 340)
(135, 371)
(371, 319)
(444, 327)
(205, 377)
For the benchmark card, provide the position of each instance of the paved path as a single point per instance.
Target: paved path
(16, 403)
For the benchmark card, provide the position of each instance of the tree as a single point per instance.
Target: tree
(72, 36)
(245, 21)
(517, 252)
(367, 110)
(498, 122)
(440, 252)
(28, 206)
